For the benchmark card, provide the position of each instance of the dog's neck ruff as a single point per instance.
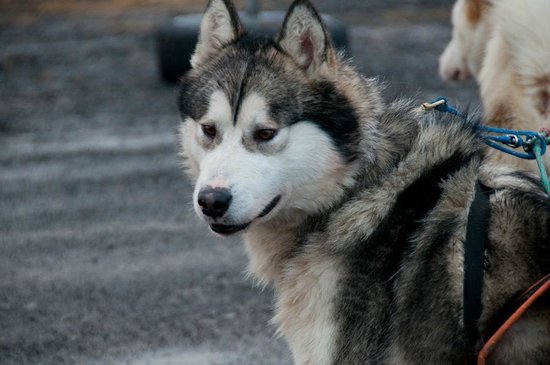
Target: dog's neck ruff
(270, 244)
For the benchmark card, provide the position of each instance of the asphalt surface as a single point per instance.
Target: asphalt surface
(102, 260)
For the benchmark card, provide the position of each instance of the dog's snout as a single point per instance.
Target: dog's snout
(214, 202)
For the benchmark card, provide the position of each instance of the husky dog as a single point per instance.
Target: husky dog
(505, 45)
(354, 209)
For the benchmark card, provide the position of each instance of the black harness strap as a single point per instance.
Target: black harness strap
(477, 235)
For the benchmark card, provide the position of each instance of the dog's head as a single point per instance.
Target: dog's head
(463, 56)
(265, 132)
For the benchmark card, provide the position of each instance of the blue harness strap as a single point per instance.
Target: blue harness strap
(506, 140)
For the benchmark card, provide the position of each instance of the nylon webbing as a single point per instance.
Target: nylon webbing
(474, 255)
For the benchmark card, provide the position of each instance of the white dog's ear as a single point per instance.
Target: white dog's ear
(304, 36)
(220, 26)
(477, 9)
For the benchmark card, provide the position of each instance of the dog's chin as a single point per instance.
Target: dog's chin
(229, 229)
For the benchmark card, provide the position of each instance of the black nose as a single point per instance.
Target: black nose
(214, 202)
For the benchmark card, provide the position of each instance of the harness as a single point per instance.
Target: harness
(477, 236)
(481, 344)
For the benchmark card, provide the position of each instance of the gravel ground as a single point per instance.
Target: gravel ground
(102, 260)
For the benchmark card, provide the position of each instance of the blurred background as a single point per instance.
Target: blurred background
(102, 260)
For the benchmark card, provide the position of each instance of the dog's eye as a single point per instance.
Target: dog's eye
(265, 134)
(209, 130)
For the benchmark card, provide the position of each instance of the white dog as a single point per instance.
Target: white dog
(505, 46)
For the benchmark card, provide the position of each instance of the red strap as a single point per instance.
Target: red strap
(525, 301)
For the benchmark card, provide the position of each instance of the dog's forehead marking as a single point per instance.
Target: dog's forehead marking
(237, 102)
(254, 110)
(219, 108)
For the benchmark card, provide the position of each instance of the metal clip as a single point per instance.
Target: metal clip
(514, 141)
(430, 106)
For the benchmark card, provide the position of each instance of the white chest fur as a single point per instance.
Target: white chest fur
(306, 287)
(305, 308)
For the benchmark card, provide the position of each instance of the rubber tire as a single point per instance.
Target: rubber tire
(177, 39)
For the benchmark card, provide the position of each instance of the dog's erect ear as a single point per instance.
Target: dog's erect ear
(220, 25)
(476, 9)
(304, 36)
